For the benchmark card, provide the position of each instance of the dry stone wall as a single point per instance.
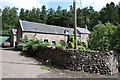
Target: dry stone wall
(92, 62)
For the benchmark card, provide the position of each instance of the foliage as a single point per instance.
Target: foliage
(43, 14)
(116, 39)
(87, 16)
(118, 6)
(108, 12)
(86, 45)
(70, 41)
(45, 44)
(9, 19)
(58, 45)
(101, 37)
(63, 43)
(81, 48)
(31, 46)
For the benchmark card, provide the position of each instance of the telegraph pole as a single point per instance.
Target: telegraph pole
(75, 24)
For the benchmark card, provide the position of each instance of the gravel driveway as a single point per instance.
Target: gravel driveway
(16, 66)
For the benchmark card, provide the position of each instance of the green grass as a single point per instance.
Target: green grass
(45, 68)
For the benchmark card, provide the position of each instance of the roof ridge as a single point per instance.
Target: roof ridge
(41, 27)
(47, 24)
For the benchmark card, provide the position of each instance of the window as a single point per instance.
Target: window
(66, 32)
(53, 42)
(46, 40)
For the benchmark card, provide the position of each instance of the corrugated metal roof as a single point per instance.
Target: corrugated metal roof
(3, 39)
(43, 28)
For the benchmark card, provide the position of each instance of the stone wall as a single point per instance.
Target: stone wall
(118, 57)
(92, 62)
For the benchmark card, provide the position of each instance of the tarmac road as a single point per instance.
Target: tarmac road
(16, 66)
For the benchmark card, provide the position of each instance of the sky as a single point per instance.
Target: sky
(29, 4)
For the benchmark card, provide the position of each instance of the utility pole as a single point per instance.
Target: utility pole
(75, 24)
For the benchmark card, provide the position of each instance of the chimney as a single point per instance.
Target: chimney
(86, 27)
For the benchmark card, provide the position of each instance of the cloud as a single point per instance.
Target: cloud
(97, 4)
(26, 4)
(29, 4)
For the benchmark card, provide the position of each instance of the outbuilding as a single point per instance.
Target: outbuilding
(49, 33)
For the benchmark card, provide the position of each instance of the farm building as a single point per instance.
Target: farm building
(49, 33)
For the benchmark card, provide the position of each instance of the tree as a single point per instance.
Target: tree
(101, 37)
(5, 15)
(22, 14)
(116, 39)
(27, 15)
(118, 12)
(43, 14)
(35, 15)
(50, 19)
(9, 19)
(87, 16)
(80, 18)
(65, 19)
(57, 16)
(13, 15)
(70, 17)
(109, 13)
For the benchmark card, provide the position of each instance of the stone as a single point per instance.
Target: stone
(92, 61)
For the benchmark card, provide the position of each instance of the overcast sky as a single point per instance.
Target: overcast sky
(29, 4)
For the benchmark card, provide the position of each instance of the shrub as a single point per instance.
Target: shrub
(31, 46)
(58, 45)
(62, 42)
(22, 44)
(81, 48)
(45, 44)
(70, 41)
(86, 45)
(70, 45)
(102, 37)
